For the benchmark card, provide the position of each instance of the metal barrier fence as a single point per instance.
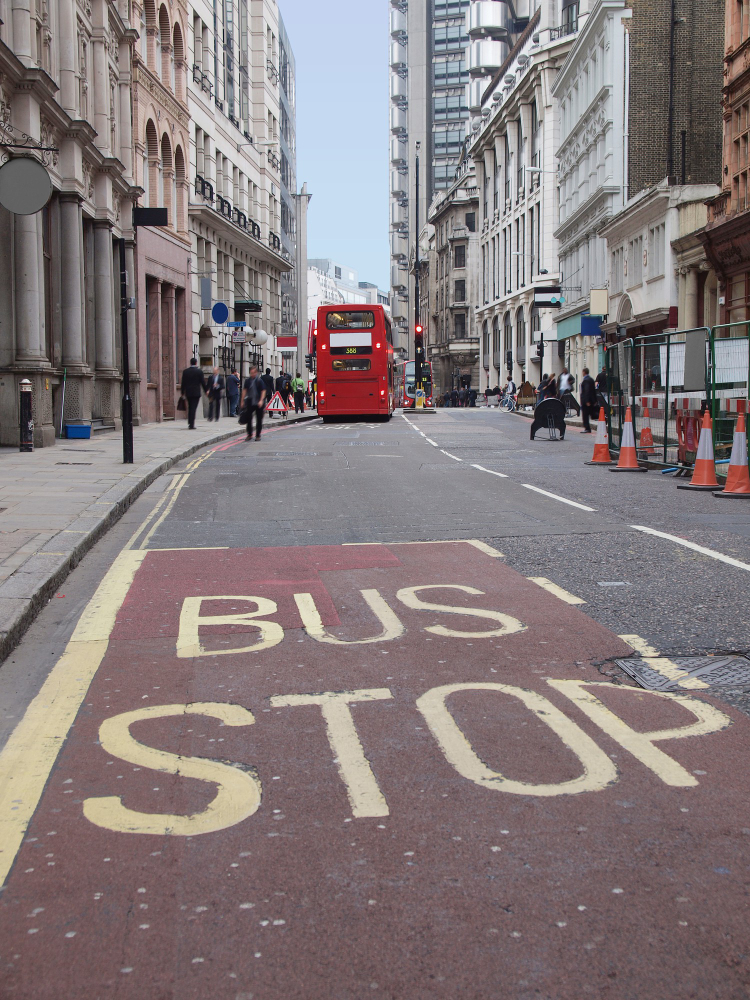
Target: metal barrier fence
(664, 379)
(730, 369)
(669, 380)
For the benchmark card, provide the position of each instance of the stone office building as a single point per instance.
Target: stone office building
(65, 82)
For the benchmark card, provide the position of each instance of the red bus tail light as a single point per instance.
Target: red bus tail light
(382, 392)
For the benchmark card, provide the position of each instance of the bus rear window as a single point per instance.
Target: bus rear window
(350, 319)
(351, 365)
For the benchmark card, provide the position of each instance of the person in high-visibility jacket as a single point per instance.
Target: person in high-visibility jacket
(298, 388)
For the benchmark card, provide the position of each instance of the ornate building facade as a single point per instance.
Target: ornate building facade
(65, 81)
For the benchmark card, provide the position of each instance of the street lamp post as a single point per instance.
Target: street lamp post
(418, 331)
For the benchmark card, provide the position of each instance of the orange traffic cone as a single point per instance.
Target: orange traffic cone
(628, 459)
(738, 478)
(601, 446)
(646, 444)
(704, 473)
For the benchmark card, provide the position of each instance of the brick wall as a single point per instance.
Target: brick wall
(697, 85)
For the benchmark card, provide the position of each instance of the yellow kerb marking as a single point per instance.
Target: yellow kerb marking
(662, 665)
(598, 769)
(552, 588)
(361, 785)
(237, 798)
(33, 747)
(641, 745)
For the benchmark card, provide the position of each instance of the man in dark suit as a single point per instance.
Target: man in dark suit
(267, 380)
(588, 400)
(192, 387)
(215, 392)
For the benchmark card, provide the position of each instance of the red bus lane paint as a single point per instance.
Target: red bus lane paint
(355, 366)
(296, 773)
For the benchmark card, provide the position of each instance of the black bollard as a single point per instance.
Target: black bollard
(25, 416)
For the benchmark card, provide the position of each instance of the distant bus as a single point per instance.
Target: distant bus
(355, 368)
(406, 387)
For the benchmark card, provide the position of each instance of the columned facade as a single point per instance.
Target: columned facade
(63, 68)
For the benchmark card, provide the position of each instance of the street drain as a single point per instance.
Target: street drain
(716, 671)
(363, 444)
(74, 463)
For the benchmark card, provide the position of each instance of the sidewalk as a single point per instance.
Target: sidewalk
(56, 503)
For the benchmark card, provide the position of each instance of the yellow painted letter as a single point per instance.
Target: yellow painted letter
(598, 769)
(191, 619)
(508, 625)
(641, 745)
(361, 786)
(237, 798)
(392, 627)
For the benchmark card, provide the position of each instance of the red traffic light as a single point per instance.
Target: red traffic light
(418, 329)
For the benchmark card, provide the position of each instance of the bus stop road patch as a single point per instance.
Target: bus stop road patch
(367, 770)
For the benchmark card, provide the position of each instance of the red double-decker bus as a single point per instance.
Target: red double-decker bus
(355, 369)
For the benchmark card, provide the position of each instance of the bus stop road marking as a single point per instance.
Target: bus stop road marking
(338, 752)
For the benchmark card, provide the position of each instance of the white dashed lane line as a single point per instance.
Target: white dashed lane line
(692, 545)
(554, 496)
(500, 475)
(454, 457)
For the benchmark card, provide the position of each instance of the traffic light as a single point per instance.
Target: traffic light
(418, 336)
(509, 359)
(540, 349)
(309, 362)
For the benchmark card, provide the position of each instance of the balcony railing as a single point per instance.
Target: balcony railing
(273, 159)
(225, 207)
(272, 71)
(718, 206)
(202, 79)
(203, 188)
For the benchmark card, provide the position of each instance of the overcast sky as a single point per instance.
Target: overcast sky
(341, 50)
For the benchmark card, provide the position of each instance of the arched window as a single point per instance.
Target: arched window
(495, 341)
(486, 344)
(151, 166)
(164, 47)
(166, 178)
(178, 63)
(507, 333)
(520, 331)
(180, 183)
(150, 35)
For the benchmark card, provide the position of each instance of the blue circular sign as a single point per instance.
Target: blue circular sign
(220, 313)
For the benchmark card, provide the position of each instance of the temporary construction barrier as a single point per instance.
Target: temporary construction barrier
(704, 474)
(646, 442)
(601, 445)
(738, 477)
(628, 459)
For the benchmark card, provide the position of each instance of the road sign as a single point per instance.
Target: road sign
(238, 336)
(276, 404)
(236, 322)
(550, 297)
(220, 313)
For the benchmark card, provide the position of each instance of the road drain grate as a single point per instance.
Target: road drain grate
(363, 444)
(716, 671)
(74, 463)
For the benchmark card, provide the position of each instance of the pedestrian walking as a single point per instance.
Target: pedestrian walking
(454, 397)
(565, 382)
(541, 389)
(550, 390)
(268, 383)
(472, 397)
(601, 383)
(308, 396)
(253, 403)
(192, 387)
(588, 400)
(283, 387)
(462, 396)
(234, 384)
(215, 392)
(447, 398)
(298, 389)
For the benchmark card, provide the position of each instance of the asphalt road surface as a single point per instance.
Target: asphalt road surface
(337, 715)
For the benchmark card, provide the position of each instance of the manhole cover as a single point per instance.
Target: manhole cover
(74, 463)
(363, 444)
(716, 671)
